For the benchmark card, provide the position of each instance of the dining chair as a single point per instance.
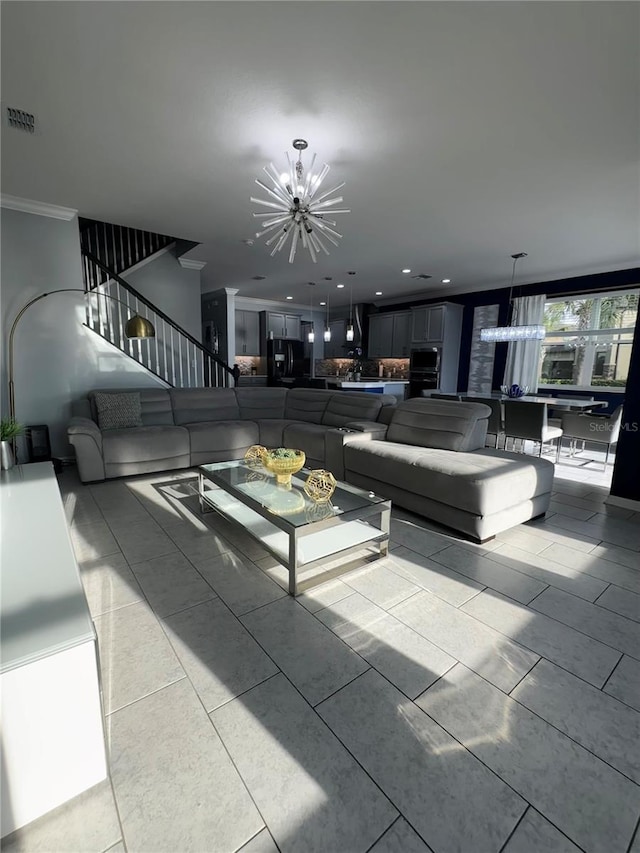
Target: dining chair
(528, 421)
(496, 422)
(599, 429)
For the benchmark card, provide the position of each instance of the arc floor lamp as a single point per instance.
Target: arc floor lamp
(135, 327)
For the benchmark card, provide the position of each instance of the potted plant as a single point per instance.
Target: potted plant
(9, 431)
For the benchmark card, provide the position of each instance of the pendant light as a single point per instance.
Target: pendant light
(350, 333)
(311, 335)
(327, 330)
(515, 331)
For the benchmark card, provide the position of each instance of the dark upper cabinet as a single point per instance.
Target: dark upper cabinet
(428, 324)
(283, 325)
(389, 335)
(247, 333)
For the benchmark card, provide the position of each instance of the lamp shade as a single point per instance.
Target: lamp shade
(139, 327)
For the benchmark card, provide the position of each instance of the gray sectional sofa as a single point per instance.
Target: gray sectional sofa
(432, 460)
(428, 456)
(192, 426)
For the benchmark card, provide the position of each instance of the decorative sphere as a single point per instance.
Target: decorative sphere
(255, 455)
(320, 485)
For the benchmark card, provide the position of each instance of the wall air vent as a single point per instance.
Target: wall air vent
(21, 120)
(422, 275)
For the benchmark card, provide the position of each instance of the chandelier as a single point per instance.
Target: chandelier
(296, 208)
(499, 334)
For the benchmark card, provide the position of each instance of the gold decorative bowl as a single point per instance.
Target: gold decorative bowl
(283, 467)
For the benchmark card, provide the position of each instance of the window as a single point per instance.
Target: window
(588, 342)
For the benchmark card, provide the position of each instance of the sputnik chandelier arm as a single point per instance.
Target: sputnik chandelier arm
(295, 208)
(136, 327)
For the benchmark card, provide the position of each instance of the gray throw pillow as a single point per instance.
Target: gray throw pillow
(118, 411)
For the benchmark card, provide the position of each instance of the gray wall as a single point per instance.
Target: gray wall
(57, 359)
(174, 290)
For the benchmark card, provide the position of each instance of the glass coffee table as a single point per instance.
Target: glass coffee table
(299, 532)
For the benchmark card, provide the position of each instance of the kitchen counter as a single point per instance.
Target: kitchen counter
(397, 387)
(364, 383)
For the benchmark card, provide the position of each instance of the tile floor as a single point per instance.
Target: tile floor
(452, 698)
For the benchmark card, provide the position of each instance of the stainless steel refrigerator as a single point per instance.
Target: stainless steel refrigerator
(285, 360)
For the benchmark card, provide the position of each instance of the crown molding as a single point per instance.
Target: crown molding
(37, 208)
(188, 264)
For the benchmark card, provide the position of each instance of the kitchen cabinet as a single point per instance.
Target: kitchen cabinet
(380, 335)
(247, 333)
(283, 326)
(440, 325)
(401, 338)
(389, 335)
(428, 324)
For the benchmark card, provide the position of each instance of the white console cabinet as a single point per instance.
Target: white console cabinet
(52, 723)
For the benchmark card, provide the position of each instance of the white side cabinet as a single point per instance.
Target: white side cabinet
(52, 723)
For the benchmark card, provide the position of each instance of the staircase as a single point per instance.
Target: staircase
(173, 355)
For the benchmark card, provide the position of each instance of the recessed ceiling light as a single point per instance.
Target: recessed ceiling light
(378, 293)
(406, 271)
(339, 286)
(323, 303)
(289, 297)
(446, 281)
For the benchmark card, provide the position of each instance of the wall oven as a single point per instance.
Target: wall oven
(423, 381)
(425, 360)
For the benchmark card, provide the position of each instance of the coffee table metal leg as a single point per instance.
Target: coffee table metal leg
(385, 527)
(293, 564)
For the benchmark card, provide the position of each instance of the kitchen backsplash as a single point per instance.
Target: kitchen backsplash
(251, 365)
(393, 368)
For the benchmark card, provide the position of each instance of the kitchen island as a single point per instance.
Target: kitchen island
(397, 387)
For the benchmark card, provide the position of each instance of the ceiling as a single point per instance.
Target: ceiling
(465, 132)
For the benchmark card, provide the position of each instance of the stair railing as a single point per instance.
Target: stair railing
(119, 247)
(173, 354)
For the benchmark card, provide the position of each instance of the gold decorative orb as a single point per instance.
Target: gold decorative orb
(320, 485)
(255, 455)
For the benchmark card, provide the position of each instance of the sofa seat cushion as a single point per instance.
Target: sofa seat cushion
(271, 431)
(144, 444)
(481, 482)
(219, 441)
(307, 437)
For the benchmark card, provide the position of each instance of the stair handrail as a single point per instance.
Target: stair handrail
(233, 371)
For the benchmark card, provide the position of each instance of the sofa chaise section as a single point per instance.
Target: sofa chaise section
(433, 462)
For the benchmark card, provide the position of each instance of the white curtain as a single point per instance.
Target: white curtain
(523, 357)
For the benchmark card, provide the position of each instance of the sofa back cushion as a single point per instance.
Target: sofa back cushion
(306, 404)
(155, 404)
(260, 403)
(344, 407)
(444, 424)
(196, 405)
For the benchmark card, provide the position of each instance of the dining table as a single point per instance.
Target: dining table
(565, 403)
